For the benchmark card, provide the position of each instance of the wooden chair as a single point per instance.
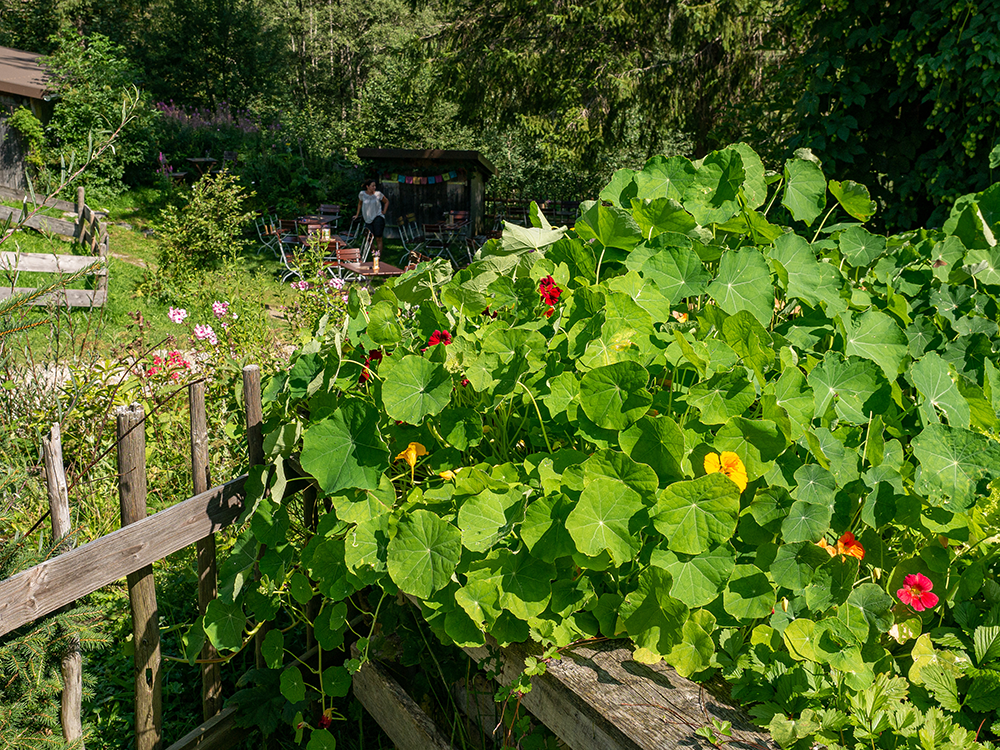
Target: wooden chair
(330, 212)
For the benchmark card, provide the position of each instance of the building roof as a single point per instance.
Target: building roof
(427, 158)
(21, 74)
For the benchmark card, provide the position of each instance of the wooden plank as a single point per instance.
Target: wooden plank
(148, 672)
(13, 194)
(49, 263)
(41, 222)
(218, 733)
(64, 297)
(46, 587)
(400, 717)
(598, 698)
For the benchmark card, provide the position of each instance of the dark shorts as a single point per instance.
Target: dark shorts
(377, 226)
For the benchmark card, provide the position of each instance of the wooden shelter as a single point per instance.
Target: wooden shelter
(430, 183)
(23, 83)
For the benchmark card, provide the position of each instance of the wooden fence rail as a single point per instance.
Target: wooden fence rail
(87, 230)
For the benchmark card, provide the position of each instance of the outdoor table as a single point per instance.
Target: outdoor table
(312, 224)
(365, 269)
(201, 162)
(445, 235)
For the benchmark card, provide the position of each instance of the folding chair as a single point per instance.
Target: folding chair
(266, 235)
(331, 212)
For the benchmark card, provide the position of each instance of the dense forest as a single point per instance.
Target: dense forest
(558, 95)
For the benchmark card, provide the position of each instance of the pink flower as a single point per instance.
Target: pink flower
(177, 314)
(336, 283)
(204, 332)
(439, 337)
(916, 592)
(219, 309)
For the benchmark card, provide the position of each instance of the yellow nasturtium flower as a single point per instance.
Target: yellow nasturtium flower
(410, 454)
(727, 463)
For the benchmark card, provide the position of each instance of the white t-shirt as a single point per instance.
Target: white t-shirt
(371, 205)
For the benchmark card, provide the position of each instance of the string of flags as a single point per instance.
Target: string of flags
(422, 179)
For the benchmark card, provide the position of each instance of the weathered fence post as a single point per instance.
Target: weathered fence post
(80, 203)
(141, 588)
(255, 447)
(72, 662)
(211, 674)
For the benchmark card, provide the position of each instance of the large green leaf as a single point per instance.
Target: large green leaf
(853, 198)
(622, 188)
(713, 196)
(805, 277)
(748, 595)
(657, 442)
(486, 518)
(544, 528)
(744, 283)
(755, 186)
(935, 382)
(875, 604)
(860, 247)
(697, 514)
(652, 618)
(517, 240)
(664, 177)
(526, 583)
(677, 272)
(877, 337)
(661, 215)
(615, 465)
(382, 324)
(722, 396)
(805, 190)
(854, 387)
(611, 227)
(615, 396)
(415, 388)
(424, 553)
(346, 450)
(758, 442)
(952, 461)
(694, 652)
(224, 624)
(697, 580)
(600, 522)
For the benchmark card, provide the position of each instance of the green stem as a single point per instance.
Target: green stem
(820, 227)
(597, 274)
(539, 413)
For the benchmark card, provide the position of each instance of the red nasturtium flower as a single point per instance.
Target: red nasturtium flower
(375, 355)
(548, 312)
(916, 592)
(847, 546)
(549, 290)
(439, 337)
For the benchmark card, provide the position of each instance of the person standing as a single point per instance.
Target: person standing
(372, 206)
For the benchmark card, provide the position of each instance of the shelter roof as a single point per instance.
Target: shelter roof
(21, 74)
(428, 158)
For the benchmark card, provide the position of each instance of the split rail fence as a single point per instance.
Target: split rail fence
(87, 230)
(595, 698)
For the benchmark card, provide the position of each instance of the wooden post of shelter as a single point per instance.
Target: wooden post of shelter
(141, 587)
(211, 673)
(72, 661)
(255, 447)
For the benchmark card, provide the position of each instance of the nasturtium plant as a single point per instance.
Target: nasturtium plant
(718, 416)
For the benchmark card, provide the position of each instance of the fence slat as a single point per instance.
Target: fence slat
(72, 662)
(141, 587)
(211, 673)
(44, 588)
(255, 449)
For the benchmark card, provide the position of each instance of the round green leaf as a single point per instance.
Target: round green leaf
(483, 519)
(292, 686)
(300, 588)
(615, 396)
(853, 198)
(526, 584)
(696, 514)
(321, 739)
(800, 637)
(424, 553)
(416, 388)
(794, 565)
(600, 520)
(224, 624)
(383, 328)
(805, 189)
(700, 579)
(273, 648)
(462, 428)
(657, 442)
(336, 681)
(860, 246)
(615, 465)
(744, 283)
(653, 619)
(346, 450)
(748, 595)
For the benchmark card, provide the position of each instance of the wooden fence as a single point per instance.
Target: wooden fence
(595, 698)
(87, 230)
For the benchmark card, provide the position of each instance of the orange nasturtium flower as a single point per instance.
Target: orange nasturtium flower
(729, 464)
(847, 546)
(410, 454)
(449, 474)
